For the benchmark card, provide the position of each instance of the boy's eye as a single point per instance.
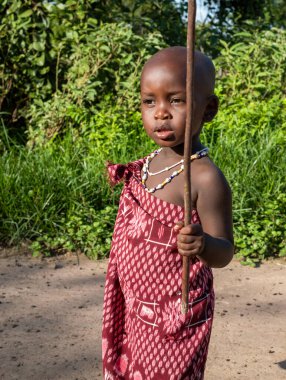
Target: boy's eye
(148, 102)
(177, 100)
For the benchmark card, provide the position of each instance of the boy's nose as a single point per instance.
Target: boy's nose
(162, 112)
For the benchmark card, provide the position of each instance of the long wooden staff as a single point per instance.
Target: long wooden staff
(188, 143)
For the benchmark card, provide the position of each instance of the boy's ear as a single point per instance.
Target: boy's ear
(211, 108)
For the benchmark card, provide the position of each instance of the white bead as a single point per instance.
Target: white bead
(145, 169)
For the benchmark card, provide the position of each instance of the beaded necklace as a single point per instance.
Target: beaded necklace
(199, 154)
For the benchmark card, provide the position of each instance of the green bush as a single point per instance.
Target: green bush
(262, 235)
(47, 47)
(89, 232)
(247, 139)
(47, 193)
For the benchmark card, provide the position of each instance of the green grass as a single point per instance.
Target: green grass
(58, 195)
(253, 161)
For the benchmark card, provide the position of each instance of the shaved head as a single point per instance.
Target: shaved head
(176, 58)
(164, 96)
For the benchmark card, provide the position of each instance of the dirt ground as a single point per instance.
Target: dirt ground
(50, 320)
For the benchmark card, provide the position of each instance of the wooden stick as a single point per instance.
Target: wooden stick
(188, 143)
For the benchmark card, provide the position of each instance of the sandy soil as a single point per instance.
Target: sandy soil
(50, 320)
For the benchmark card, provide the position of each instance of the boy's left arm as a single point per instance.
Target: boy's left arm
(212, 241)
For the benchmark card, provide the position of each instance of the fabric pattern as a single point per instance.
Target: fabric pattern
(145, 335)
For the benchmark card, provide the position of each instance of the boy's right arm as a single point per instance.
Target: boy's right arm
(212, 241)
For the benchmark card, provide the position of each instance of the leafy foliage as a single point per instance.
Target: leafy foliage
(41, 41)
(103, 70)
(226, 18)
(231, 12)
(248, 137)
(165, 16)
(89, 233)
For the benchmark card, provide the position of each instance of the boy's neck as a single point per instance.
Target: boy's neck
(178, 151)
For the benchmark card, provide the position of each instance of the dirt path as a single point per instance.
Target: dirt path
(50, 320)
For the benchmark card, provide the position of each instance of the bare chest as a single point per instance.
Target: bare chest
(171, 192)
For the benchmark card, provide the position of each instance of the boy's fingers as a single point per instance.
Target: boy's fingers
(184, 246)
(187, 239)
(190, 243)
(191, 229)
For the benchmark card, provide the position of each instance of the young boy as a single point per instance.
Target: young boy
(145, 336)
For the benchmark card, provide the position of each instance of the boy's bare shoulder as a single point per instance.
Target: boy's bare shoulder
(212, 198)
(207, 176)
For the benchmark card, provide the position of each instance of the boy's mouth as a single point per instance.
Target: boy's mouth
(164, 132)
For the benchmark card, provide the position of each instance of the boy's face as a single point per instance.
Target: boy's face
(163, 103)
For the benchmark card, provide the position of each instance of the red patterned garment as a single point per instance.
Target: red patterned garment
(145, 336)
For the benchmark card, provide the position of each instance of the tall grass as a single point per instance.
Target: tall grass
(254, 163)
(42, 188)
(59, 194)
(254, 166)
(39, 187)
